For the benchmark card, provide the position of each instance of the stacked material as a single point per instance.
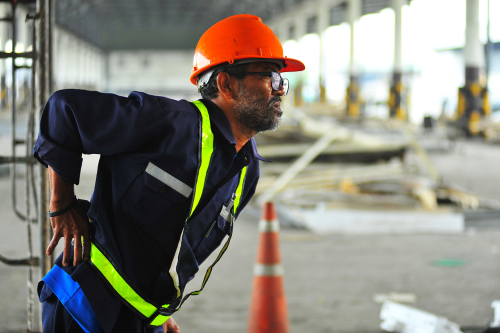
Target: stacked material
(367, 177)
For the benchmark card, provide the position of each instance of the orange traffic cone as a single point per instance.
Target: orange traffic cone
(268, 313)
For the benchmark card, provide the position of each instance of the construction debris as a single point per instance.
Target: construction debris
(397, 194)
(395, 297)
(496, 307)
(405, 319)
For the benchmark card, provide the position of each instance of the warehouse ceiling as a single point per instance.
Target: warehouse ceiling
(154, 24)
(162, 24)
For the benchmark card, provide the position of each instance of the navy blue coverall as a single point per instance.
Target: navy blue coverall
(135, 217)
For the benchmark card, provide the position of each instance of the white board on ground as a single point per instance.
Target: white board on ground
(347, 221)
(405, 319)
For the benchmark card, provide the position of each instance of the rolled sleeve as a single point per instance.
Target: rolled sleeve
(65, 163)
(76, 122)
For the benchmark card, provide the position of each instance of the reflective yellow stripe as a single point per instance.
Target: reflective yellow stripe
(119, 284)
(239, 190)
(207, 148)
(160, 319)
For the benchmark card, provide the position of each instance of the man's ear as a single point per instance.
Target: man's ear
(226, 85)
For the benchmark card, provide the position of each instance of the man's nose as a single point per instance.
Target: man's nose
(280, 91)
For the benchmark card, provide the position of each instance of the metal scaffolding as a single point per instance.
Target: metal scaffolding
(35, 177)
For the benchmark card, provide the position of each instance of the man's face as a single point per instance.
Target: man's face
(257, 106)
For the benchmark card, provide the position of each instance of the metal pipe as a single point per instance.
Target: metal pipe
(13, 121)
(30, 135)
(13, 171)
(33, 18)
(31, 292)
(51, 17)
(17, 159)
(43, 220)
(20, 262)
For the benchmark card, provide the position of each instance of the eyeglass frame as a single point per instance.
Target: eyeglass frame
(271, 75)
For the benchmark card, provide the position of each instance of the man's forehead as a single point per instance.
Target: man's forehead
(263, 66)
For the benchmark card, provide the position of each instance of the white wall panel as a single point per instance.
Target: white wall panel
(156, 72)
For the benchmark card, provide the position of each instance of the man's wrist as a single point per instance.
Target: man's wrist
(65, 209)
(62, 191)
(59, 202)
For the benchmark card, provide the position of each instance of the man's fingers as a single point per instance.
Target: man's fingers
(67, 250)
(53, 243)
(86, 244)
(77, 256)
(170, 326)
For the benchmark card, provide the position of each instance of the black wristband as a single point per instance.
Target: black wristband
(65, 209)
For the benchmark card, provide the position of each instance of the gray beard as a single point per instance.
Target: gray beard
(256, 114)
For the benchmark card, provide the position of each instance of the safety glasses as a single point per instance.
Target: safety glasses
(276, 80)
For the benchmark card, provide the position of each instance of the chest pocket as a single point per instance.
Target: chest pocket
(156, 199)
(215, 233)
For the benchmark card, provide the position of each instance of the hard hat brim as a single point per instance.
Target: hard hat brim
(290, 65)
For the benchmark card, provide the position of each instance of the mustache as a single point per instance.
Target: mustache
(274, 99)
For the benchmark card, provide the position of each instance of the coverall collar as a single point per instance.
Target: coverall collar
(219, 119)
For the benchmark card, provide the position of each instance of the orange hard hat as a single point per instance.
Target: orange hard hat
(239, 37)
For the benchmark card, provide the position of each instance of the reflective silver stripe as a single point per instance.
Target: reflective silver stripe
(169, 180)
(271, 226)
(173, 266)
(268, 270)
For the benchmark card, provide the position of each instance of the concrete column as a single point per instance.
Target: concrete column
(473, 50)
(353, 14)
(300, 24)
(81, 63)
(61, 51)
(397, 94)
(59, 60)
(352, 97)
(397, 5)
(106, 72)
(323, 23)
(280, 30)
(473, 101)
(489, 48)
(92, 69)
(86, 67)
(73, 63)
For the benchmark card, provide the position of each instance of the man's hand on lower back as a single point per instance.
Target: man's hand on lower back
(70, 225)
(170, 326)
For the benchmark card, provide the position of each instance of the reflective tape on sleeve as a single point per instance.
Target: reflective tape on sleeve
(268, 270)
(169, 180)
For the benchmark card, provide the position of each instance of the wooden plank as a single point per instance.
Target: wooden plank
(382, 222)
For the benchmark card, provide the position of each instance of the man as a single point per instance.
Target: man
(172, 178)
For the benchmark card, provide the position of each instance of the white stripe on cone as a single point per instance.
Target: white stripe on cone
(268, 270)
(269, 226)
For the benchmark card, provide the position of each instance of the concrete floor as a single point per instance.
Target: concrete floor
(329, 280)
